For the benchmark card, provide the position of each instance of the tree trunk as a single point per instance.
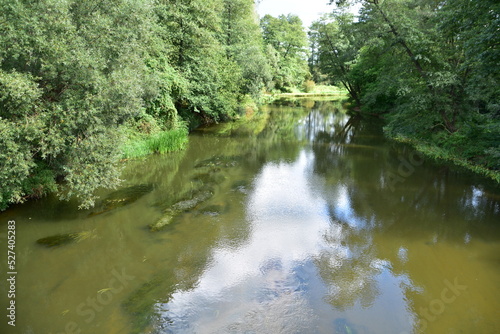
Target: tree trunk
(345, 81)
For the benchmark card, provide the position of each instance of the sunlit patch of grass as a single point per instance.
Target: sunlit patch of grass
(324, 89)
(161, 142)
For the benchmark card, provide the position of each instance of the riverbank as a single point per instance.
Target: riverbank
(141, 145)
(315, 91)
(442, 155)
(145, 137)
(430, 150)
(291, 95)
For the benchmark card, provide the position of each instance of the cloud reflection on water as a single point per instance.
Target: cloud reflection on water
(297, 263)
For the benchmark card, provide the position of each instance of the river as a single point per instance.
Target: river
(302, 221)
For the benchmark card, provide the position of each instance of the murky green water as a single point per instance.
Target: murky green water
(301, 222)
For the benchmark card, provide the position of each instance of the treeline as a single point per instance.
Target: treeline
(430, 68)
(81, 80)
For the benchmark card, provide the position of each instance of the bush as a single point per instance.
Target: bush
(308, 86)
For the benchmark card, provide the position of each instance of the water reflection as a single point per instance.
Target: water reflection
(317, 257)
(303, 256)
(302, 234)
(257, 280)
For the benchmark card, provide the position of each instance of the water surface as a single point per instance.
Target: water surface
(313, 224)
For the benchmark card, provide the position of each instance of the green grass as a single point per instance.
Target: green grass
(318, 90)
(323, 89)
(161, 142)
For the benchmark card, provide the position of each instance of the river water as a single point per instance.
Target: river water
(301, 221)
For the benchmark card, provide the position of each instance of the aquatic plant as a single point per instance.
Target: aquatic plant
(63, 239)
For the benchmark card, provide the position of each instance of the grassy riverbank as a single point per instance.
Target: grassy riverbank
(161, 142)
(311, 91)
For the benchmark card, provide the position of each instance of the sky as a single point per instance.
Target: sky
(307, 10)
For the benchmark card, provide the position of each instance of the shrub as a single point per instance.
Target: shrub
(308, 86)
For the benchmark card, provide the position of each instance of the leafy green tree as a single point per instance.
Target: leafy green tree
(70, 73)
(336, 49)
(193, 28)
(79, 79)
(244, 44)
(287, 49)
(432, 67)
(470, 29)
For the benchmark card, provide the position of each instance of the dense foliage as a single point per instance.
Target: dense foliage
(430, 68)
(287, 47)
(85, 83)
(71, 73)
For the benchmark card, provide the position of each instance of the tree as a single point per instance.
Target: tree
(192, 28)
(65, 87)
(337, 47)
(79, 78)
(287, 48)
(244, 44)
(432, 67)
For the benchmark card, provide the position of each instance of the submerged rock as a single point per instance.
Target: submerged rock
(123, 197)
(219, 161)
(182, 206)
(166, 219)
(63, 239)
(213, 210)
(191, 203)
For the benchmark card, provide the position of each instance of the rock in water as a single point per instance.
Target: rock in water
(213, 210)
(240, 186)
(219, 161)
(165, 220)
(180, 207)
(191, 203)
